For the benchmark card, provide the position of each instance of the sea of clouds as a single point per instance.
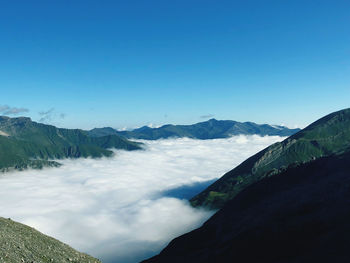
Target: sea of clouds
(119, 209)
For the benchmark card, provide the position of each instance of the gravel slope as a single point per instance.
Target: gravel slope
(20, 243)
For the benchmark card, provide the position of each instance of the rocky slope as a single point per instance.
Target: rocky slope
(20, 243)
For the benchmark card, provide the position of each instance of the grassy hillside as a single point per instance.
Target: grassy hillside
(24, 143)
(327, 136)
(211, 129)
(20, 243)
(300, 215)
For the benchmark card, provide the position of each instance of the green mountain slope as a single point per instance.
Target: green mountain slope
(300, 215)
(24, 143)
(20, 243)
(211, 129)
(327, 136)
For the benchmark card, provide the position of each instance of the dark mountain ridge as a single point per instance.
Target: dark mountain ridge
(211, 129)
(299, 215)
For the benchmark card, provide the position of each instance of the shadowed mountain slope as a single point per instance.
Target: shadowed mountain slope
(297, 216)
(328, 136)
(211, 129)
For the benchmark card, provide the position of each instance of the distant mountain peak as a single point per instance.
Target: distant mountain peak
(146, 127)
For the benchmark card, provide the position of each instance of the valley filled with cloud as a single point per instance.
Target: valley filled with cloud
(121, 209)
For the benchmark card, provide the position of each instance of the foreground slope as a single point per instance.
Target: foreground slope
(299, 215)
(24, 143)
(20, 243)
(328, 136)
(211, 129)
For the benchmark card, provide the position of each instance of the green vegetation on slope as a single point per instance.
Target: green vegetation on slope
(20, 243)
(211, 129)
(24, 143)
(328, 136)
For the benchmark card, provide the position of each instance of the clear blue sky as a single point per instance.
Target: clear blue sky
(130, 63)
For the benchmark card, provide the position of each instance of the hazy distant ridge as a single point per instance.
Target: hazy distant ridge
(211, 129)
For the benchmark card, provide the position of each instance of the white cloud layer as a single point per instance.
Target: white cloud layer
(113, 208)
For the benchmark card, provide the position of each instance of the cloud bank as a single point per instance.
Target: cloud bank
(115, 208)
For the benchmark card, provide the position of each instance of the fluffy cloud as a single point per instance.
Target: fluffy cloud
(115, 208)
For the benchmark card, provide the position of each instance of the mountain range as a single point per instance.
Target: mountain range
(211, 129)
(287, 203)
(25, 143)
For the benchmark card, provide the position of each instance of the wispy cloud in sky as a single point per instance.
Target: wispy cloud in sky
(115, 208)
(46, 116)
(207, 116)
(50, 115)
(7, 110)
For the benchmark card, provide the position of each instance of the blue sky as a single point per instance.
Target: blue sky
(85, 64)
